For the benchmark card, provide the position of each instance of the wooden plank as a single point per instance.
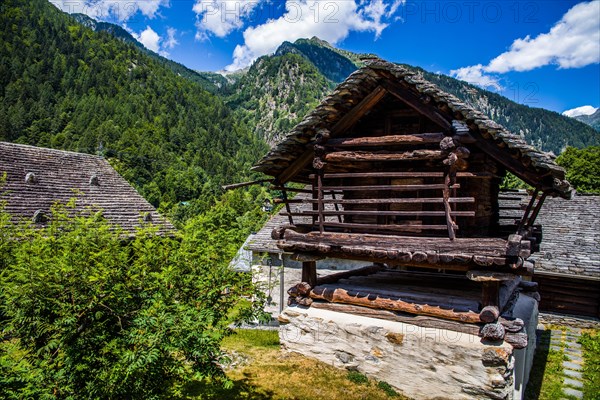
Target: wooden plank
(390, 140)
(432, 186)
(244, 184)
(296, 166)
(309, 272)
(383, 155)
(404, 174)
(414, 102)
(332, 278)
(447, 210)
(405, 200)
(388, 228)
(387, 213)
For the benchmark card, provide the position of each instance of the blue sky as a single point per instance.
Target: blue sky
(540, 53)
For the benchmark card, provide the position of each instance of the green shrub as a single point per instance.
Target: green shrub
(86, 313)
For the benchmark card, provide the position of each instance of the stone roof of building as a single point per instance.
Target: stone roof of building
(37, 178)
(365, 80)
(571, 237)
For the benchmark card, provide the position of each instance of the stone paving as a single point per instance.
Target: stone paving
(573, 365)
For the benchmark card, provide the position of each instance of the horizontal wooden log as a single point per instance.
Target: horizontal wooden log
(244, 184)
(387, 213)
(414, 174)
(381, 228)
(358, 288)
(332, 278)
(489, 314)
(383, 141)
(340, 295)
(490, 276)
(398, 188)
(406, 200)
(417, 320)
(512, 325)
(382, 155)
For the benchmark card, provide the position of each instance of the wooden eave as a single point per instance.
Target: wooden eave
(353, 98)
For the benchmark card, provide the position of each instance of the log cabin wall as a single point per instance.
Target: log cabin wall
(389, 172)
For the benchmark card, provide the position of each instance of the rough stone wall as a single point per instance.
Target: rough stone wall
(423, 363)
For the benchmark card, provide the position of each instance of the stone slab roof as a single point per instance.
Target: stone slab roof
(363, 81)
(571, 237)
(37, 178)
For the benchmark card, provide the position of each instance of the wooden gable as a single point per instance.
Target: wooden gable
(413, 176)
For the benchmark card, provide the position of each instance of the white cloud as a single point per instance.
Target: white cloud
(171, 41)
(474, 74)
(112, 10)
(150, 39)
(583, 110)
(330, 20)
(221, 17)
(572, 42)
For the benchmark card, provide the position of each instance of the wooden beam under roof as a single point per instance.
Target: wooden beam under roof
(414, 102)
(346, 122)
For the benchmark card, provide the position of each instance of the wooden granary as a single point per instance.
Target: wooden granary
(405, 176)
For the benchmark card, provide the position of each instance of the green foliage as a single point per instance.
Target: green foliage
(583, 168)
(387, 388)
(65, 86)
(590, 342)
(511, 181)
(85, 313)
(357, 377)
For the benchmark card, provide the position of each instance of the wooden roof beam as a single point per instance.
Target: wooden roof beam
(345, 123)
(414, 102)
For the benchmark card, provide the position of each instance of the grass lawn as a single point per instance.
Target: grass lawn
(590, 342)
(262, 371)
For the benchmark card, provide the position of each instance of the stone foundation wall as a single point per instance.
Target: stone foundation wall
(423, 363)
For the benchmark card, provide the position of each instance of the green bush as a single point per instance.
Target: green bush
(86, 313)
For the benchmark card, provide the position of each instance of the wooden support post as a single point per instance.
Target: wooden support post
(536, 211)
(336, 205)
(309, 273)
(527, 211)
(447, 209)
(320, 199)
(287, 206)
(490, 292)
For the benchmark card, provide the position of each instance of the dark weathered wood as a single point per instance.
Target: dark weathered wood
(490, 293)
(400, 188)
(322, 136)
(332, 278)
(406, 200)
(383, 155)
(384, 141)
(309, 273)
(400, 174)
(413, 101)
(489, 314)
(296, 166)
(340, 295)
(244, 184)
(536, 210)
(447, 210)
(389, 213)
(386, 228)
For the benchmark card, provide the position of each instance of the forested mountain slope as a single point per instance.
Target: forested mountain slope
(270, 76)
(62, 85)
(591, 120)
